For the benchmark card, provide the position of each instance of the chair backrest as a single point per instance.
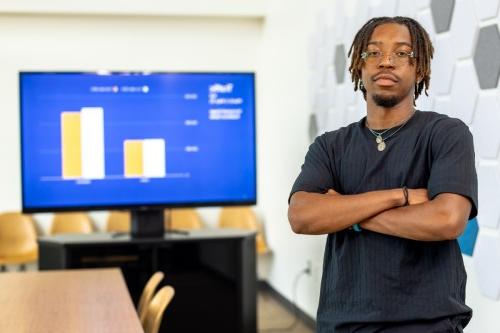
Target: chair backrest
(185, 218)
(63, 223)
(242, 217)
(147, 294)
(118, 221)
(17, 238)
(238, 217)
(156, 309)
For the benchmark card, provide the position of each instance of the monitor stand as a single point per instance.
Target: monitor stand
(150, 223)
(147, 223)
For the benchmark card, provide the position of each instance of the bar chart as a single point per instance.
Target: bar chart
(82, 143)
(82, 149)
(144, 158)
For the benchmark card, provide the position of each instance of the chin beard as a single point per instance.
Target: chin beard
(386, 101)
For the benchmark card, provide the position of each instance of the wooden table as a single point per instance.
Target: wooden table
(213, 272)
(94, 300)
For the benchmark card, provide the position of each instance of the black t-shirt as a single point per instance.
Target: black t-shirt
(370, 277)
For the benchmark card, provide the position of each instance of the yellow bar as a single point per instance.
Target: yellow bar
(133, 158)
(71, 145)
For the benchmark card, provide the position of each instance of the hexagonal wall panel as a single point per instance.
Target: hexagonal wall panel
(422, 4)
(442, 105)
(463, 29)
(487, 264)
(489, 195)
(442, 65)
(323, 105)
(424, 17)
(340, 17)
(442, 11)
(464, 91)
(322, 65)
(425, 103)
(351, 28)
(486, 136)
(486, 56)
(407, 8)
(355, 112)
(335, 118)
(351, 96)
(340, 63)
(320, 108)
(361, 14)
(383, 8)
(330, 43)
(330, 85)
(486, 9)
(354, 23)
(314, 85)
(321, 27)
(467, 240)
(312, 51)
(313, 127)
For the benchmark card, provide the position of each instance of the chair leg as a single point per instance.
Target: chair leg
(22, 267)
(2, 268)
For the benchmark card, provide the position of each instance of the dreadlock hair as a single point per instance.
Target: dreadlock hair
(420, 41)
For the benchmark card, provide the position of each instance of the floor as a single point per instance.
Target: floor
(273, 317)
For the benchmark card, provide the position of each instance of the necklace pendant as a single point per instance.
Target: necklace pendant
(379, 139)
(381, 146)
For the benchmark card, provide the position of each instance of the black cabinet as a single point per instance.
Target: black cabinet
(213, 272)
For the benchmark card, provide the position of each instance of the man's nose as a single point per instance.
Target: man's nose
(386, 60)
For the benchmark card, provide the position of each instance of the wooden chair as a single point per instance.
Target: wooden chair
(244, 218)
(63, 223)
(147, 294)
(183, 219)
(118, 221)
(18, 244)
(156, 309)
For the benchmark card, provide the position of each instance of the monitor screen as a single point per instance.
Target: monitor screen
(124, 140)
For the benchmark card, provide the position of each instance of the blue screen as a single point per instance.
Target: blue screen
(102, 140)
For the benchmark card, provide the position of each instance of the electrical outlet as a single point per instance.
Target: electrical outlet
(308, 268)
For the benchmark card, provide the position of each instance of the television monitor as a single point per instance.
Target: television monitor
(136, 140)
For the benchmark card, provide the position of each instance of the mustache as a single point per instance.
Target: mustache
(385, 74)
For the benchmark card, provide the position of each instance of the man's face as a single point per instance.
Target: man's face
(390, 78)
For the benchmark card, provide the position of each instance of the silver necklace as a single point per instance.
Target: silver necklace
(380, 140)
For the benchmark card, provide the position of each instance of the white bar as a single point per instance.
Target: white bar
(92, 129)
(153, 158)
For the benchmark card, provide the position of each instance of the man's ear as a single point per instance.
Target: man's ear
(420, 77)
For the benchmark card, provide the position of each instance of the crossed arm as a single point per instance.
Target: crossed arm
(441, 218)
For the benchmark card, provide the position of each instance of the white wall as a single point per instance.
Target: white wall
(283, 140)
(168, 8)
(39, 41)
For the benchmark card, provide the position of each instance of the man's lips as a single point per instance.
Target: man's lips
(385, 77)
(385, 80)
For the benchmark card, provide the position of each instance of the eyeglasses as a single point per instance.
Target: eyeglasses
(398, 58)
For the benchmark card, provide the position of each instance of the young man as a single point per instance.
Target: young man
(393, 192)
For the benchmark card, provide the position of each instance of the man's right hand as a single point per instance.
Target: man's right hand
(417, 196)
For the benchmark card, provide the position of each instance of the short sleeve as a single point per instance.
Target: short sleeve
(453, 163)
(316, 174)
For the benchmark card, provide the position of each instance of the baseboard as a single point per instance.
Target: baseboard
(304, 317)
